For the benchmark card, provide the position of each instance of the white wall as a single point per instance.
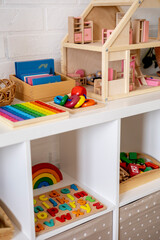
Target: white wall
(33, 29)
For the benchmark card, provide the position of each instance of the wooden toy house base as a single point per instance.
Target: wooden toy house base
(141, 178)
(44, 92)
(6, 227)
(63, 206)
(96, 56)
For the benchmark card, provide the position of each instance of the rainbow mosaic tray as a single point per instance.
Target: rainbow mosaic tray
(30, 112)
(63, 206)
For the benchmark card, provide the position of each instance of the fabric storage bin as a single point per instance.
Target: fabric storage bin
(140, 220)
(99, 228)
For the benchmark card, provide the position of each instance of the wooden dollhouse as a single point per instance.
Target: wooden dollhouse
(114, 49)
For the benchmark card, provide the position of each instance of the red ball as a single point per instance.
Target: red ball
(79, 90)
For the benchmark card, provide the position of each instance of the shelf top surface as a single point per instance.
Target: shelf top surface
(113, 110)
(97, 46)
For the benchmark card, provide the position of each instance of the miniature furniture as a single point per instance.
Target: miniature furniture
(105, 34)
(118, 47)
(140, 30)
(80, 31)
(98, 86)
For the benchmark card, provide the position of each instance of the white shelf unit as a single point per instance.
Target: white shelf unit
(89, 147)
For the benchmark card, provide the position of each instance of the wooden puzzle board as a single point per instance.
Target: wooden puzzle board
(78, 110)
(69, 204)
(26, 113)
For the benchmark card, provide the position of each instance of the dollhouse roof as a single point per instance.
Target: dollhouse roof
(133, 6)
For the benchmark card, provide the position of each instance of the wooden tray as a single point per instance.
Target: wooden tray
(17, 119)
(142, 178)
(6, 227)
(79, 110)
(64, 201)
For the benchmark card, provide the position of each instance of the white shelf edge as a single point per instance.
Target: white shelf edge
(67, 180)
(113, 110)
(139, 192)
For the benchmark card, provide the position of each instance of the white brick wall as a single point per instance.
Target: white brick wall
(21, 19)
(34, 29)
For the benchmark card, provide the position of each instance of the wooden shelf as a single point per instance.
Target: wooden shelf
(150, 44)
(95, 46)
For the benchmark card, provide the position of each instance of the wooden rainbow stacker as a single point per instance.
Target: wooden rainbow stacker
(30, 112)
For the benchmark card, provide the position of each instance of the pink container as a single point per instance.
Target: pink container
(152, 82)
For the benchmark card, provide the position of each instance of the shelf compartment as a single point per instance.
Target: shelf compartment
(140, 134)
(16, 188)
(67, 180)
(81, 161)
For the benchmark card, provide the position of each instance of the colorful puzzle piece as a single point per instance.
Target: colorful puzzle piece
(66, 205)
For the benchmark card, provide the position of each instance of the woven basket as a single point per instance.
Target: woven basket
(7, 91)
(6, 227)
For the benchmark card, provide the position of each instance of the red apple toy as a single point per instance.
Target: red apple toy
(79, 90)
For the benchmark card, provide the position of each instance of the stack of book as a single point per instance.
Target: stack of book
(37, 72)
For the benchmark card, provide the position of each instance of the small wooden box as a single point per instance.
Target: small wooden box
(44, 92)
(6, 228)
(141, 178)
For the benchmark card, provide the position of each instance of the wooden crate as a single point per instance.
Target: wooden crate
(141, 178)
(6, 228)
(44, 92)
